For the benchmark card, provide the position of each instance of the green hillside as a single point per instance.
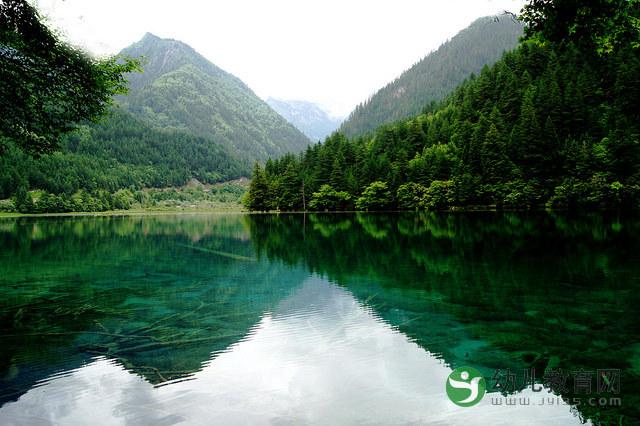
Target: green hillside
(180, 89)
(554, 123)
(435, 76)
(119, 152)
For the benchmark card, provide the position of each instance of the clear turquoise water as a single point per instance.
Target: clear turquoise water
(315, 319)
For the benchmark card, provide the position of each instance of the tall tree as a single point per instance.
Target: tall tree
(257, 198)
(496, 166)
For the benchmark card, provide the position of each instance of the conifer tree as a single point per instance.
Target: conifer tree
(257, 197)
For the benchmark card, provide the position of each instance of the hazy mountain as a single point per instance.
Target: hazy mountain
(307, 117)
(180, 89)
(437, 74)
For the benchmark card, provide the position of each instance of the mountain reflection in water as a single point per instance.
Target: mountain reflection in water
(353, 318)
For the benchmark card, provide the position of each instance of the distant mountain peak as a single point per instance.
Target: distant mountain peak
(164, 55)
(310, 118)
(150, 39)
(149, 36)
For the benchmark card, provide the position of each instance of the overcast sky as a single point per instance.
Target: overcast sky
(333, 52)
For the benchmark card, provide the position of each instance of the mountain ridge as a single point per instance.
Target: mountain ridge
(181, 89)
(437, 74)
(152, 42)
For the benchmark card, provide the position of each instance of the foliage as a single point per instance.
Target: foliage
(328, 198)
(121, 152)
(600, 26)
(7, 206)
(411, 196)
(257, 198)
(220, 197)
(47, 86)
(596, 193)
(23, 202)
(376, 196)
(437, 196)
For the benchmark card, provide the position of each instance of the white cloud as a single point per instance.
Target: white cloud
(334, 52)
(321, 358)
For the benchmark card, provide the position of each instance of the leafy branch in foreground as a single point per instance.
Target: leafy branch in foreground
(46, 85)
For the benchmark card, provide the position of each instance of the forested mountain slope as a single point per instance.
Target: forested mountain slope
(437, 74)
(555, 122)
(119, 152)
(180, 89)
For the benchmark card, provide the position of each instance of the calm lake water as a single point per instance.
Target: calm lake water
(319, 319)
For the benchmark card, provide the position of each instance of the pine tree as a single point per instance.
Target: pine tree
(496, 166)
(461, 139)
(479, 134)
(257, 197)
(290, 189)
(337, 179)
(416, 137)
(525, 139)
(550, 144)
(544, 121)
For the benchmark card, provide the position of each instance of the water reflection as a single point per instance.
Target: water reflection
(294, 318)
(320, 357)
(495, 291)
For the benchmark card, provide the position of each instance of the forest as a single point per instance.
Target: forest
(102, 166)
(555, 123)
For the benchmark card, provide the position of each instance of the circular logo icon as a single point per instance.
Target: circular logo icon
(466, 386)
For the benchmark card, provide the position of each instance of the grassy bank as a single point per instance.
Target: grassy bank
(193, 197)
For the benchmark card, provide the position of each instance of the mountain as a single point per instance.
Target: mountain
(553, 124)
(437, 74)
(307, 117)
(180, 89)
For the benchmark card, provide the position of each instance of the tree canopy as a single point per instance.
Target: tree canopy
(46, 85)
(597, 26)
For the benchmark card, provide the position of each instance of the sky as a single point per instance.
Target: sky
(336, 53)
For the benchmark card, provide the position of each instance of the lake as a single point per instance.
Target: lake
(319, 319)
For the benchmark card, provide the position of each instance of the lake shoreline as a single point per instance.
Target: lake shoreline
(122, 213)
(152, 212)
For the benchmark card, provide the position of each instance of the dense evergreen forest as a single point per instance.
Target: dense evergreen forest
(99, 161)
(554, 123)
(436, 75)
